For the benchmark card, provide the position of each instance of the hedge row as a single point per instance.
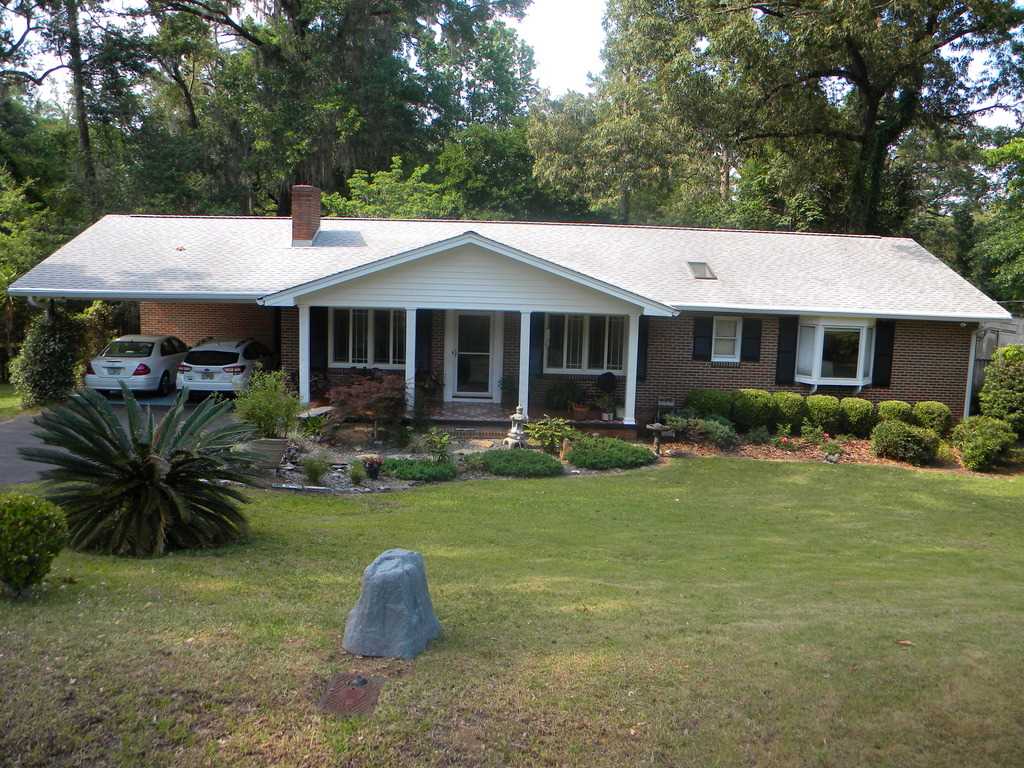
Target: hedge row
(752, 408)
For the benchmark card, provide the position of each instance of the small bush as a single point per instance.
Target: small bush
(858, 416)
(933, 415)
(549, 432)
(561, 394)
(47, 369)
(895, 410)
(519, 463)
(814, 434)
(719, 434)
(687, 427)
(823, 411)
(759, 435)
(783, 439)
(437, 443)
(1002, 394)
(357, 473)
(422, 470)
(608, 453)
(895, 439)
(312, 427)
(268, 404)
(708, 402)
(315, 466)
(790, 409)
(753, 408)
(983, 441)
(32, 532)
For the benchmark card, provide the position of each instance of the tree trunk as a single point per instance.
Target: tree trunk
(81, 114)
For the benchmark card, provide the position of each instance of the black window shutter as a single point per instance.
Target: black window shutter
(641, 348)
(703, 328)
(318, 319)
(424, 331)
(785, 361)
(750, 347)
(885, 335)
(536, 343)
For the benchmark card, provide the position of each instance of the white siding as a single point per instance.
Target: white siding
(468, 277)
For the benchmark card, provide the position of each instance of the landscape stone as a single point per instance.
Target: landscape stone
(394, 615)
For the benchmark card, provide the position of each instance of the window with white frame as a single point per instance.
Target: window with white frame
(367, 338)
(835, 351)
(584, 343)
(726, 338)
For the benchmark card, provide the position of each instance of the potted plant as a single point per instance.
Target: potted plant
(372, 465)
(272, 410)
(579, 411)
(606, 404)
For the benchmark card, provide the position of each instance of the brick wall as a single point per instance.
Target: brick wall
(191, 322)
(930, 361)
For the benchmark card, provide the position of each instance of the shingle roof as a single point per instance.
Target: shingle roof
(239, 257)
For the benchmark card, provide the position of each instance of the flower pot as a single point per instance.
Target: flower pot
(607, 416)
(270, 451)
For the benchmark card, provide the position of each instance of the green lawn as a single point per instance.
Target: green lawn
(708, 612)
(10, 403)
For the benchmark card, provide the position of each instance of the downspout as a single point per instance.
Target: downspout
(970, 374)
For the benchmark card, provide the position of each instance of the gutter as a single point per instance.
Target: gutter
(74, 293)
(760, 309)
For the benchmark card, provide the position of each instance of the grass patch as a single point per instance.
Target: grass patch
(10, 403)
(707, 612)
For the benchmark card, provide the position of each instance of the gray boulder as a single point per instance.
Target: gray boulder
(394, 615)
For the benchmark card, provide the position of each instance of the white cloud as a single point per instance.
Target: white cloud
(566, 36)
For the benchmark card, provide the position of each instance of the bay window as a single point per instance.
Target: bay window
(367, 338)
(835, 351)
(590, 344)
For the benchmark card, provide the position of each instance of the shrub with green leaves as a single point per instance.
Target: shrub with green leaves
(858, 416)
(268, 404)
(47, 369)
(753, 408)
(790, 409)
(895, 410)
(420, 470)
(437, 443)
(823, 411)
(708, 402)
(814, 434)
(933, 415)
(983, 441)
(608, 453)
(32, 533)
(1002, 394)
(549, 432)
(357, 473)
(519, 463)
(315, 466)
(895, 439)
(149, 487)
(759, 436)
(719, 434)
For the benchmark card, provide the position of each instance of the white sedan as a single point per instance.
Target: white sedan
(223, 365)
(143, 363)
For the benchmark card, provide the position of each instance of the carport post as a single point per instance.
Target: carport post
(304, 353)
(410, 360)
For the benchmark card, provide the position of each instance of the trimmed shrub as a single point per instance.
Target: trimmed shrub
(708, 402)
(47, 369)
(790, 409)
(518, 463)
(549, 432)
(983, 441)
(32, 532)
(268, 404)
(759, 436)
(422, 470)
(561, 394)
(933, 415)
(753, 408)
(858, 415)
(1002, 394)
(823, 411)
(721, 435)
(608, 453)
(895, 439)
(895, 410)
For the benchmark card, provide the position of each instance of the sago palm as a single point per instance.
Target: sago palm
(150, 487)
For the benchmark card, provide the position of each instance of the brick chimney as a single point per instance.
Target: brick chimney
(305, 214)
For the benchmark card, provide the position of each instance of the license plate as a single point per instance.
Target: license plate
(114, 371)
(209, 376)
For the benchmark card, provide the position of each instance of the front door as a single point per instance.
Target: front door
(473, 355)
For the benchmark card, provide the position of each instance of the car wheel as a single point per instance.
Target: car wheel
(165, 385)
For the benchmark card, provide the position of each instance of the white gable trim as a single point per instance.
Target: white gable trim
(287, 297)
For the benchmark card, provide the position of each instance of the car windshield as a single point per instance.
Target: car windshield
(128, 349)
(211, 357)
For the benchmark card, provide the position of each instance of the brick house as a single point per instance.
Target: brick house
(505, 311)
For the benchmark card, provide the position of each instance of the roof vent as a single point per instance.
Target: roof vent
(701, 270)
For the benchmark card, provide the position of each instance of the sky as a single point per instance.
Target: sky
(566, 37)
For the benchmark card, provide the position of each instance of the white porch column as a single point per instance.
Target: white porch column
(304, 353)
(524, 361)
(632, 349)
(410, 360)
